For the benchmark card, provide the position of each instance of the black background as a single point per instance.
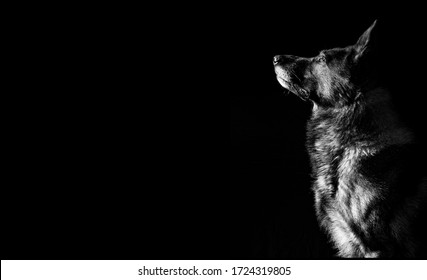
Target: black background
(170, 138)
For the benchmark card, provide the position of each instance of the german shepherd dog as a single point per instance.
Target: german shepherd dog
(367, 194)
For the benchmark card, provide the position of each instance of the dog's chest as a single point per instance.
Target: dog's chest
(342, 193)
(335, 163)
(343, 196)
(335, 168)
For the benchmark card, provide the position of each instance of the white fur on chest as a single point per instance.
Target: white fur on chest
(350, 201)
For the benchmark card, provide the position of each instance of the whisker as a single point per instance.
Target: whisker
(295, 75)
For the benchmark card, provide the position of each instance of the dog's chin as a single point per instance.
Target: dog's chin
(284, 83)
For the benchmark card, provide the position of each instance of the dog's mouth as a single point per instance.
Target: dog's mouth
(289, 80)
(293, 87)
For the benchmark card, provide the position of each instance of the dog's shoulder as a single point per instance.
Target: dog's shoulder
(395, 165)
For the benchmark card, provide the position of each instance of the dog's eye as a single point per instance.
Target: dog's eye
(321, 58)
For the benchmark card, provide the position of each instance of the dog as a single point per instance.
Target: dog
(368, 191)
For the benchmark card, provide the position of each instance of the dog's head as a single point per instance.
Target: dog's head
(332, 78)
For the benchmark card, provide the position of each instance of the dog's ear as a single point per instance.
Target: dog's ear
(365, 42)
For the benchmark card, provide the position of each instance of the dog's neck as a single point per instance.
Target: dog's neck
(372, 112)
(369, 97)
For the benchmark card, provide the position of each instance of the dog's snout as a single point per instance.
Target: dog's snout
(285, 59)
(277, 59)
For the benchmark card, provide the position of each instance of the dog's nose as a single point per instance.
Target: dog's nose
(277, 59)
